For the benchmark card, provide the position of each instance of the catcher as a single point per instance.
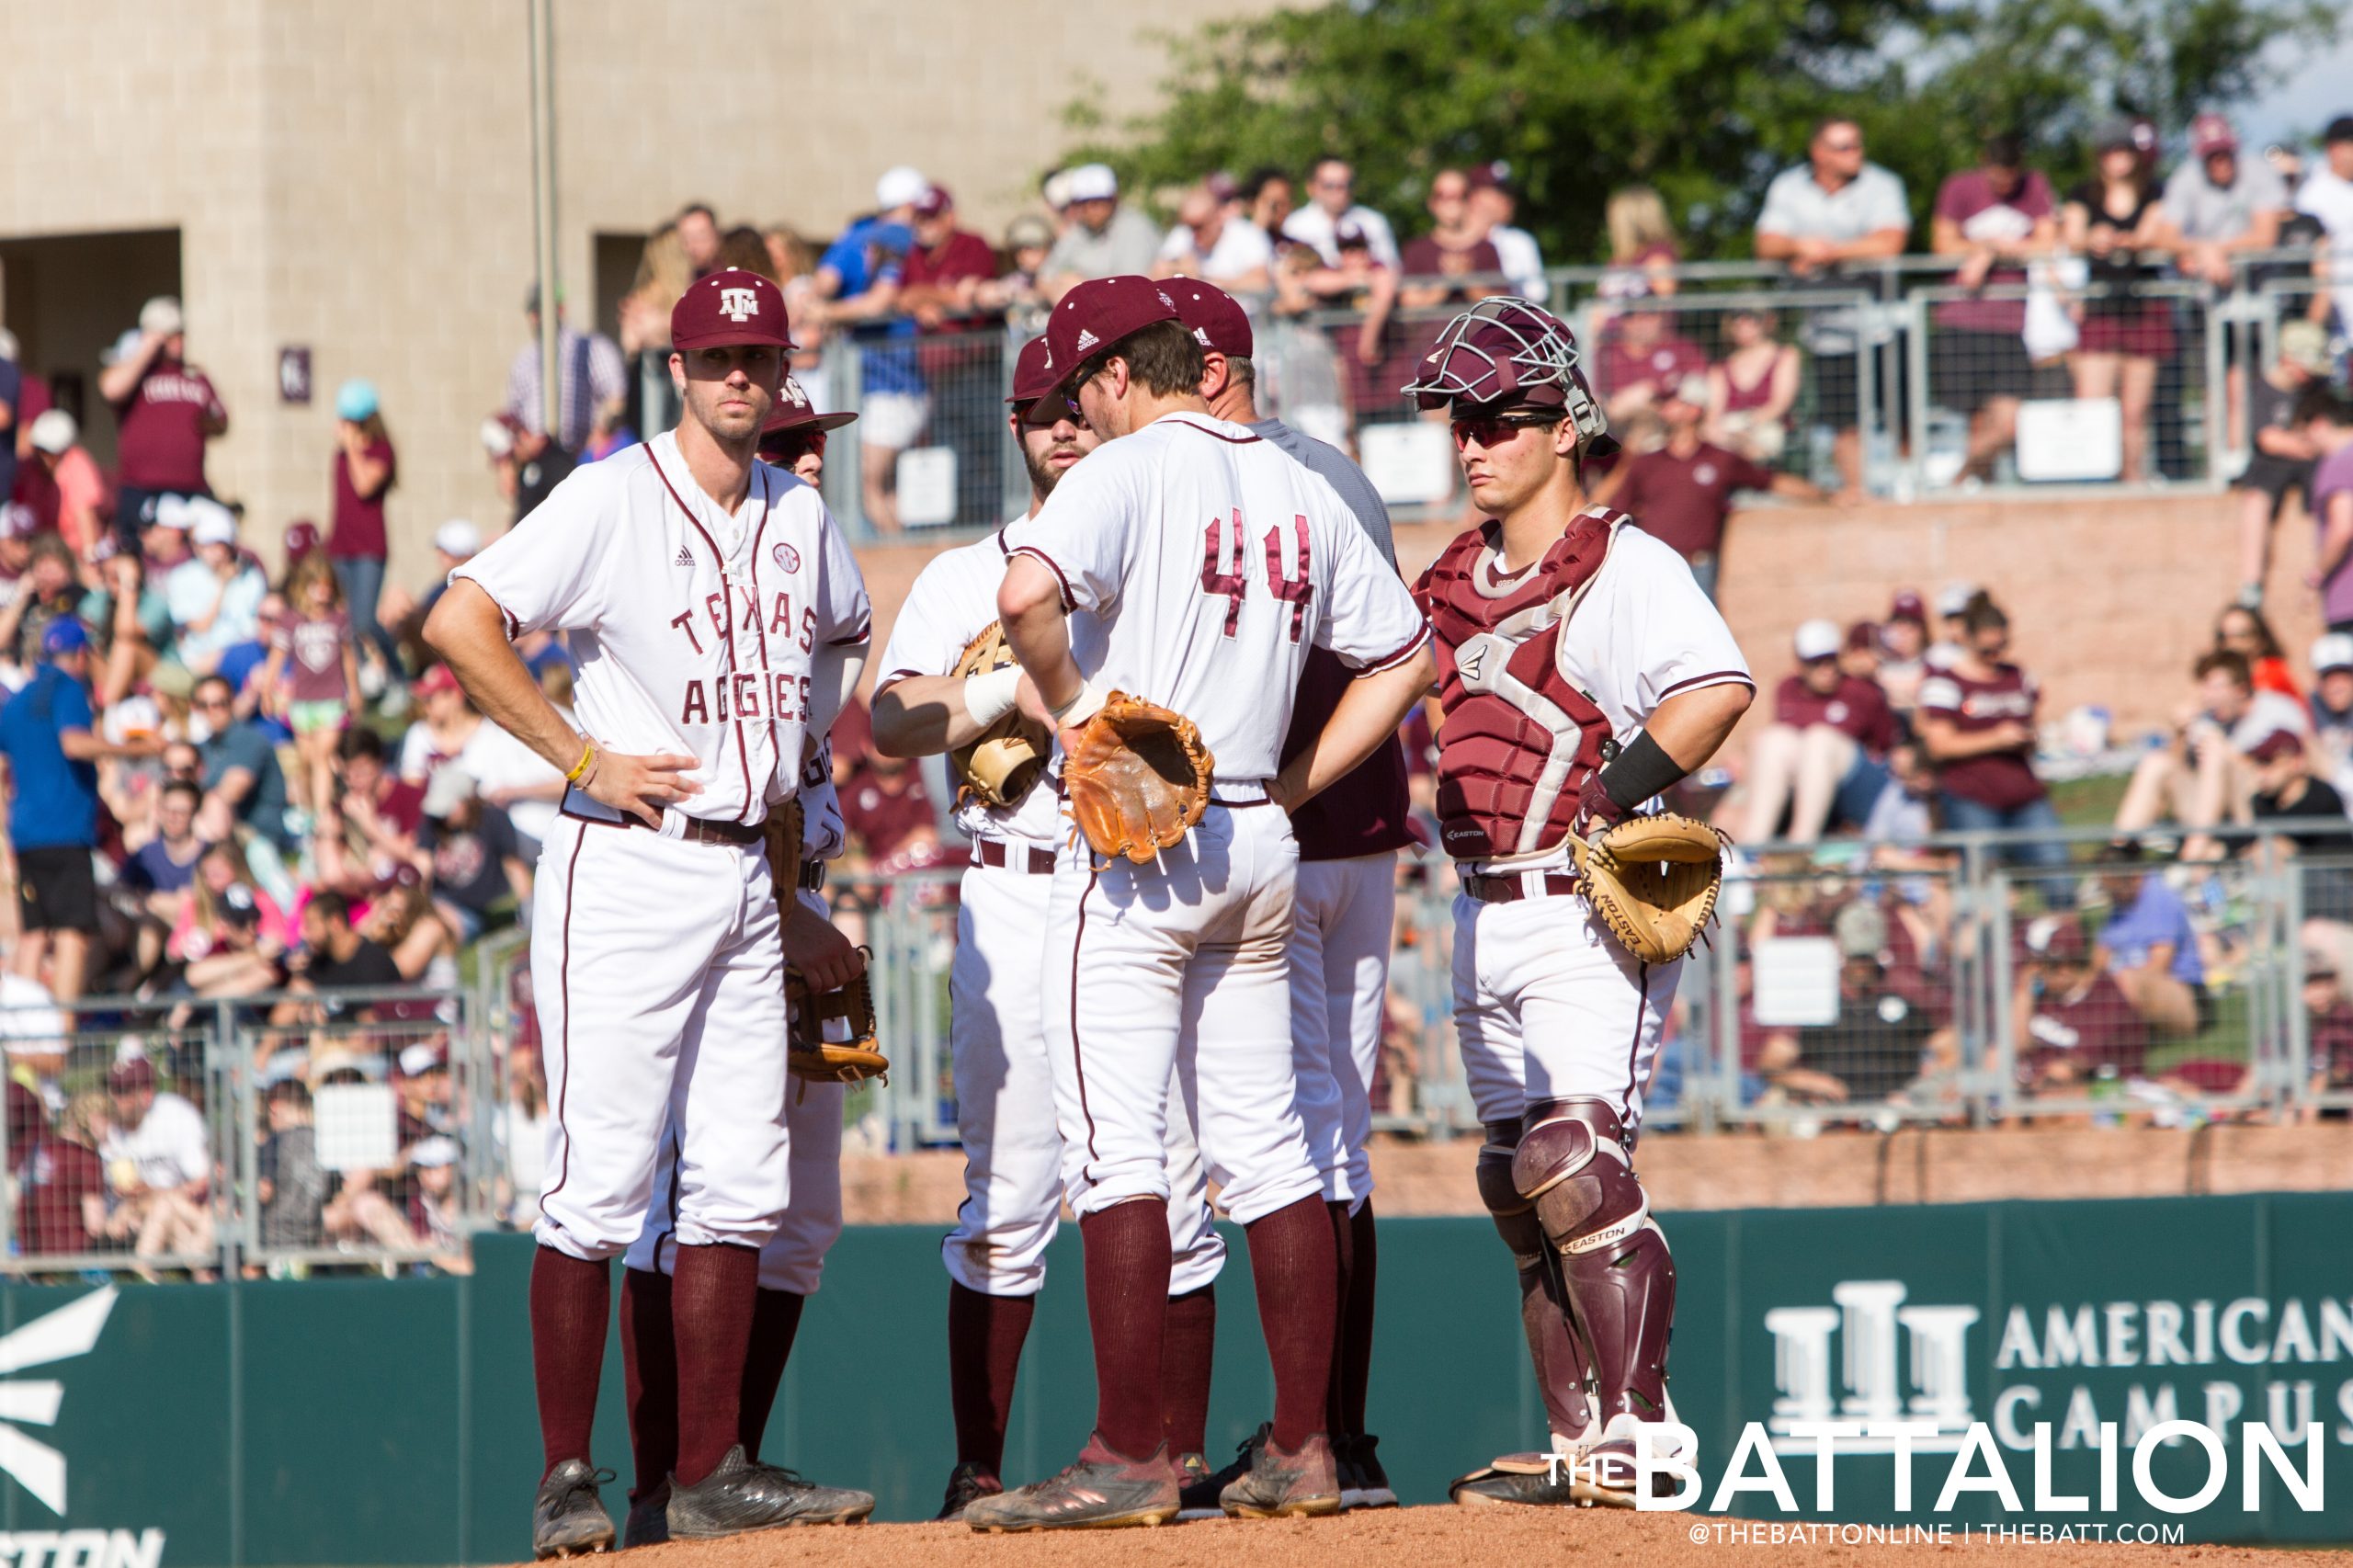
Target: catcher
(1581, 673)
(807, 834)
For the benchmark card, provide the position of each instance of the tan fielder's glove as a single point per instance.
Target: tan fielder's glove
(831, 1037)
(1652, 881)
(784, 827)
(1138, 778)
(1005, 762)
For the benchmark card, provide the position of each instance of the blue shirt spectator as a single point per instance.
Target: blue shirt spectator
(867, 258)
(55, 800)
(242, 778)
(2156, 916)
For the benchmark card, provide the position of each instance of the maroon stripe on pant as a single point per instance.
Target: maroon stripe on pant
(1634, 1049)
(1078, 1057)
(563, 991)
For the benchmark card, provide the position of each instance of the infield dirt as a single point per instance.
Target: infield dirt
(1437, 1537)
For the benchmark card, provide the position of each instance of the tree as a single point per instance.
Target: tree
(1702, 99)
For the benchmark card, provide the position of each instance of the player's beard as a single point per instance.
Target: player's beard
(1043, 477)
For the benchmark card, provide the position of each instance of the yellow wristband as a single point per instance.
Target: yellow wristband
(587, 756)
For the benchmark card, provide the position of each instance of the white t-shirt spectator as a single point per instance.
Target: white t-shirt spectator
(31, 1020)
(498, 761)
(1241, 249)
(168, 1146)
(1797, 206)
(2330, 199)
(2204, 211)
(1523, 263)
(1310, 225)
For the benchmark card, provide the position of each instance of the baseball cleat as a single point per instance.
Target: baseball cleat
(745, 1494)
(1197, 1490)
(967, 1483)
(1528, 1480)
(1604, 1477)
(568, 1520)
(649, 1519)
(1363, 1483)
(1103, 1490)
(1286, 1485)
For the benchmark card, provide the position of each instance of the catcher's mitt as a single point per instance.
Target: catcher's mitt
(831, 1037)
(1138, 777)
(1004, 764)
(1652, 881)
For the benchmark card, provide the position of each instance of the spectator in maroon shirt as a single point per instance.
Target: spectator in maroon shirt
(886, 810)
(60, 1186)
(1681, 491)
(1992, 217)
(2076, 1020)
(1824, 758)
(166, 410)
(363, 472)
(1643, 363)
(1976, 718)
(1456, 249)
(945, 269)
(2330, 1026)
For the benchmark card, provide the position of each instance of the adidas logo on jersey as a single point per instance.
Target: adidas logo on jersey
(686, 556)
(1086, 340)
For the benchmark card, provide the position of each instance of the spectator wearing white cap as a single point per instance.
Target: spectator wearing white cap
(858, 280)
(62, 484)
(2332, 707)
(1105, 238)
(1952, 625)
(362, 472)
(215, 596)
(1330, 191)
(165, 411)
(1824, 758)
(455, 542)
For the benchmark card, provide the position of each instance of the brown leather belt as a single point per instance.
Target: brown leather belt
(1031, 859)
(694, 829)
(1511, 890)
(1241, 805)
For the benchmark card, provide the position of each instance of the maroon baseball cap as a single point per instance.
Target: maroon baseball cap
(301, 538)
(1507, 353)
(935, 201)
(1909, 605)
(2210, 133)
(131, 1075)
(2275, 746)
(2062, 941)
(1097, 314)
(730, 307)
(1213, 316)
(1033, 373)
(795, 412)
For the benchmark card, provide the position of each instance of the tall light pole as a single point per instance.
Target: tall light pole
(543, 206)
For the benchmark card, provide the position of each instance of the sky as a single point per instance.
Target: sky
(2320, 90)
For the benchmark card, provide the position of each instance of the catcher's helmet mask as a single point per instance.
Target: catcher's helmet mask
(1506, 352)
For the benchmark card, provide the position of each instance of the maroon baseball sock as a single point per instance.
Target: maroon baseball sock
(1352, 1358)
(985, 1334)
(711, 1297)
(1344, 1246)
(650, 1373)
(1127, 1310)
(571, 1300)
(776, 1318)
(1185, 1358)
(1294, 1264)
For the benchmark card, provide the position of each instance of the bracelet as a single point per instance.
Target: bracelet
(1084, 704)
(587, 756)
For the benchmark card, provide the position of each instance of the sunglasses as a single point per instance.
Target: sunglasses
(792, 446)
(1495, 429)
(1842, 146)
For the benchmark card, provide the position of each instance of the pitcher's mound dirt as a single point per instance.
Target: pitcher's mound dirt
(1438, 1537)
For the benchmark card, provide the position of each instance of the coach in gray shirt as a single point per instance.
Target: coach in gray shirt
(1106, 237)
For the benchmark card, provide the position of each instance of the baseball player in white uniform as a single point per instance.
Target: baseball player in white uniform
(1210, 563)
(1344, 920)
(794, 1258)
(1581, 673)
(715, 606)
(1005, 1088)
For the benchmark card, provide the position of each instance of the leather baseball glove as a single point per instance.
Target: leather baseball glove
(784, 829)
(1138, 778)
(831, 1037)
(1005, 762)
(1652, 881)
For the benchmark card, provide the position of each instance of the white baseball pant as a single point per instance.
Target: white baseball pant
(660, 982)
(1549, 1007)
(1339, 986)
(1179, 962)
(1005, 1105)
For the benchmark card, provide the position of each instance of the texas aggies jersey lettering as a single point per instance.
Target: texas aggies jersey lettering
(953, 598)
(1603, 628)
(1216, 563)
(696, 631)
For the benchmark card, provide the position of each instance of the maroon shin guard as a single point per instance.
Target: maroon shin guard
(571, 1302)
(1185, 1359)
(1127, 1307)
(1295, 1265)
(711, 1299)
(776, 1318)
(985, 1337)
(650, 1373)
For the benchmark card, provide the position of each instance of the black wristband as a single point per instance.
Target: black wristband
(1643, 770)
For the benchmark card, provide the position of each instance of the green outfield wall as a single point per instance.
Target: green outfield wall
(332, 1422)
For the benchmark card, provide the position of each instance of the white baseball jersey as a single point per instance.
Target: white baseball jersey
(1216, 562)
(695, 630)
(953, 598)
(1643, 632)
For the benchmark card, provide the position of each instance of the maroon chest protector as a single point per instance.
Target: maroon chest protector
(1517, 739)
